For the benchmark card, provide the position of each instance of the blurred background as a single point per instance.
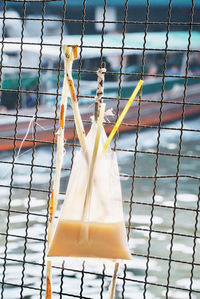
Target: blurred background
(157, 145)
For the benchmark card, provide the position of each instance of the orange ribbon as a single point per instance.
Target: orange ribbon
(61, 120)
(75, 51)
(48, 288)
(51, 208)
(72, 90)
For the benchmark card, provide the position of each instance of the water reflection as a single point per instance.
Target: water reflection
(187, 197)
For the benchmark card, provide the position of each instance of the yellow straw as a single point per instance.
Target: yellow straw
(121, 117)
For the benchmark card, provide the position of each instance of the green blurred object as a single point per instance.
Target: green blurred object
(13, 82)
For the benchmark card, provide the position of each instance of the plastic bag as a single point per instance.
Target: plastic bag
(92, 227)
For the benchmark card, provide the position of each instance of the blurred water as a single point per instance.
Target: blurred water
(36, 202)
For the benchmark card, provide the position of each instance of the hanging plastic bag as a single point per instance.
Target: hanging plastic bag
(91, 223)
(92, 227)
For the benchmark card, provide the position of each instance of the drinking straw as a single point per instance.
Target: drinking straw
(110, 137)
(69, 56)
(121, 117)
(111, 294)
(100, 89)
(77, 116)
(92, 165)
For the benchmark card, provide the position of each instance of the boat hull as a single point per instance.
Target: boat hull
(147, 112)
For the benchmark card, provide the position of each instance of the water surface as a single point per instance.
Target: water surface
(25, 252)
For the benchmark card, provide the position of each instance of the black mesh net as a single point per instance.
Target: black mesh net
(157, 146)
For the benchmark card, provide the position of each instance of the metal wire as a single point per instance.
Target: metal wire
(194, 246)
(68, 20)
(158, 146)
(175, 176)
(52, 157)
(179, 151)
(103, 281)
(13, 156)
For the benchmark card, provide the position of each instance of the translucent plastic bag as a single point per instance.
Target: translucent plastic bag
(92, 225)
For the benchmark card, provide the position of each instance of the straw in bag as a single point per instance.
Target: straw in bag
(91, 222)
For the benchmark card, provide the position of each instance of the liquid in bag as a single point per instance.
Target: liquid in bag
(92, 227)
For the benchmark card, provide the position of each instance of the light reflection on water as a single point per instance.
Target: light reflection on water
(187, 196)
